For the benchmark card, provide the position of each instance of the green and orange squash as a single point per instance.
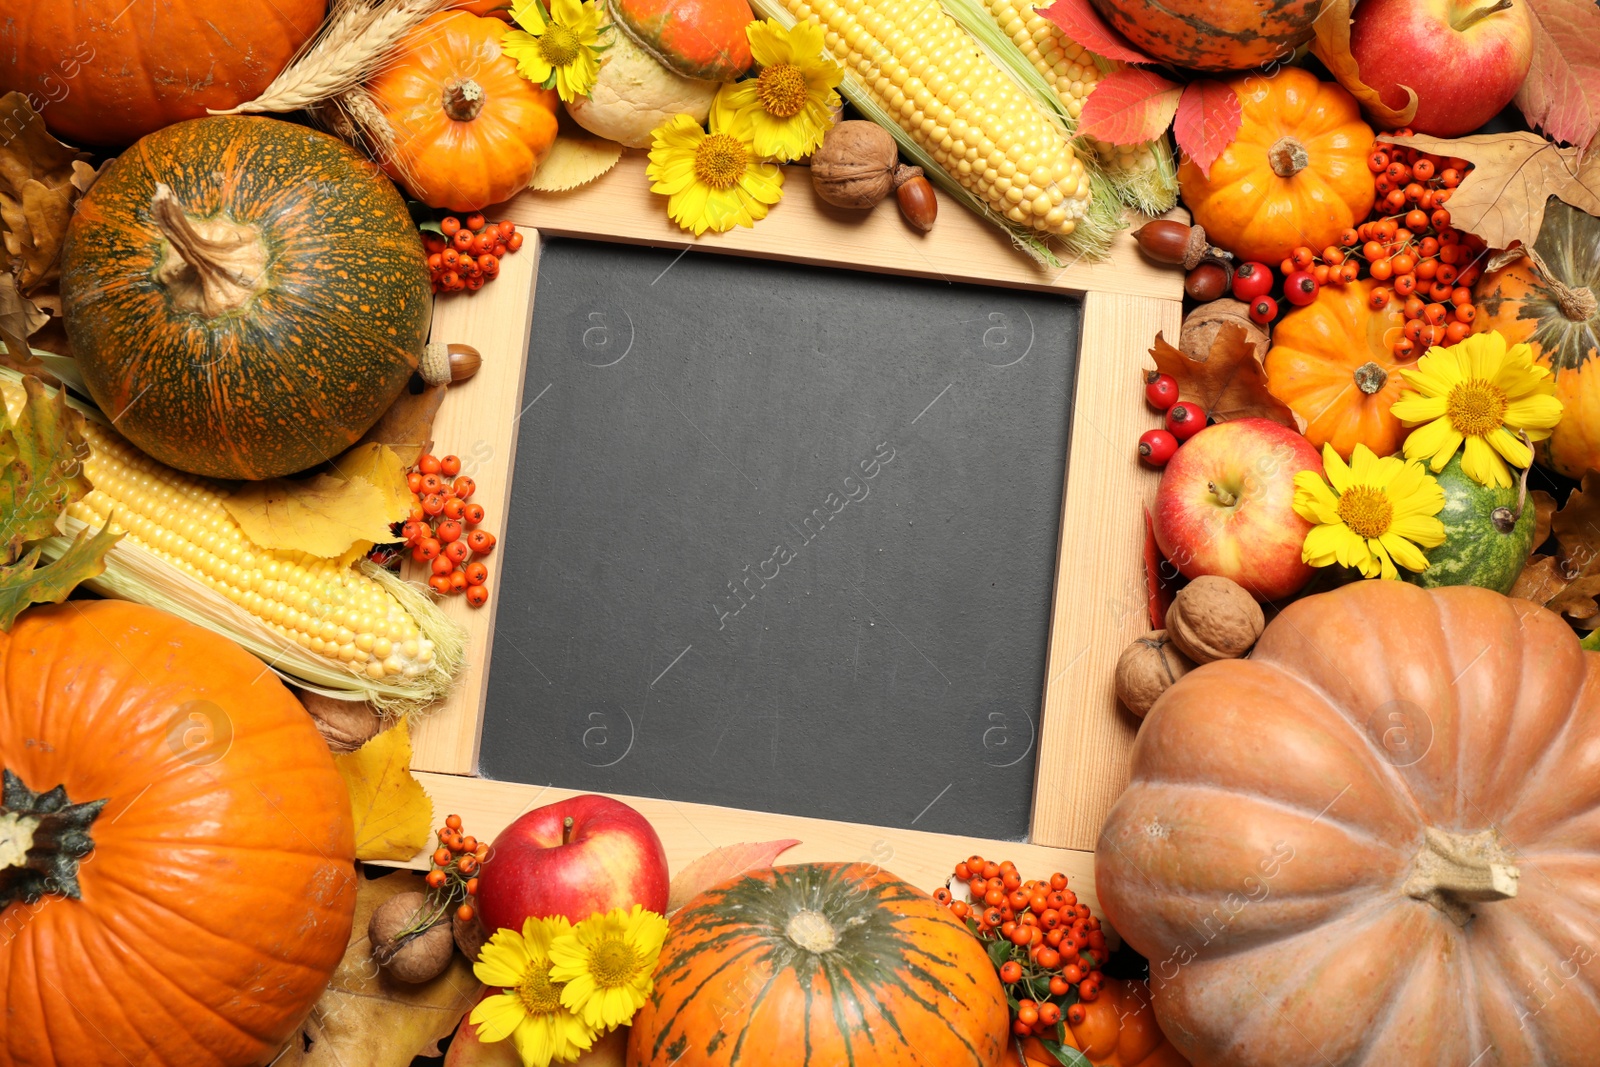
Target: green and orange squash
(1488, 534)
(1551, 305)
(819, 965)
(244, 296)
(702, 39)
(1214, 34)
(176, 846)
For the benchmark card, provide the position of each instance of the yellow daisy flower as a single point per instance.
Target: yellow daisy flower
(714, 182)
(1480, 393)
(607, 962)
(1369, 515)
(560, 50)
(786, 110)
(530, 1009)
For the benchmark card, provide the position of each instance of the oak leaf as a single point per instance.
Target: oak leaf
(25, 583)
(1229, 383)
(1332, 45)
(1577, 529)
(1540, 580)
(1543, 581)
(575, 161)
(719, 865)
(41, 465)
(337, 515)
(1129, 106)
(1561, 94)
(1208, 119)
(1083, 25)
(1544, 510)
(1503, 199)
(393, 814)
(39, 179)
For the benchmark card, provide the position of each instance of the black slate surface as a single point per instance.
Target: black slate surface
(781, 538)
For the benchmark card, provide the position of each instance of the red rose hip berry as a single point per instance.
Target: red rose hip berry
(1252, 280)
(1263, 309)
(1185, 419)
(1300, 288)
(1156, 447)
(1161, 390)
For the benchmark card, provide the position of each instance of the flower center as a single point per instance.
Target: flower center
(782, 90)
(538, 993)
(613, 963)
(720, 161)
(558, 45)
(1366, 510)
(1475, 407)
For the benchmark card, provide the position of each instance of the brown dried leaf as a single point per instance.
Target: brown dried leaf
(1577, 529)
(1332, 46)
(1576, 601)
(1503, 199)
(46, 210)
(1229, 383)
(1540, 581)
(1561, 94)
(1544, 509)
(19, 318)
(39, 180)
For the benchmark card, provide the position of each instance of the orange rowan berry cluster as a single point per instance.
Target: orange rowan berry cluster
(1047, 947)
(442, 529)
(453, 878)
(466, 256)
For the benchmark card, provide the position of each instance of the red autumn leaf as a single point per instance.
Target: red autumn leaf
(1158, 586)
(1561, 94)
(719, 865)
(1208, 120)
(1082, 23)
(1129, 107)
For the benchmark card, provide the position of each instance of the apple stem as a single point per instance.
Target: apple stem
(566, 830)
(1225, 498)
(1477, 15)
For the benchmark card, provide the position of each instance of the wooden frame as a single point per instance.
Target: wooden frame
(1098, 599)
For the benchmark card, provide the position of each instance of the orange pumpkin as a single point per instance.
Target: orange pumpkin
(1390, 849)
(1119, 1029)
(101, 78)
(499, 9)
(469, 131)
(819, 965)
(1214, 34)
(189, 887)
(1555, 310)
(1330, 363)
(1295, 175)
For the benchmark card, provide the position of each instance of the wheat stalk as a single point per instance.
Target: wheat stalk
(352, 45)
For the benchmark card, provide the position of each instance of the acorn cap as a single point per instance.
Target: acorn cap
(702, 39)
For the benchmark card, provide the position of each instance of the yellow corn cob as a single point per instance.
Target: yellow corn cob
(927, 72)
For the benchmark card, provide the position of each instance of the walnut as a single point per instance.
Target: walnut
(1200, 328)
(345, 725)
(855, 166)
(470, 936)
(417, 957)
(1147, 668)
(1213, 618)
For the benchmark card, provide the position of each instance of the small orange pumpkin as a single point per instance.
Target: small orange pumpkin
(1331, 364)
(469, 131)
(1119, 1029)
(1295, 175)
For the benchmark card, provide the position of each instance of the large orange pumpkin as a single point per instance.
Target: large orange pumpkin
(1119, 1029)
(1330, 363)
(176, 850)
(1376, 840)
(1296, 174)
(108, 72)
(1555, 310)
(469, 131)
(1214, 34)
(818, 965)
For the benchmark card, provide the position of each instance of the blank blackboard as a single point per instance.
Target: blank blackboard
(781, 538)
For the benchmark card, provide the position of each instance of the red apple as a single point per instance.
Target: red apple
(575, 857)
(1226, 506)
(1466, 59)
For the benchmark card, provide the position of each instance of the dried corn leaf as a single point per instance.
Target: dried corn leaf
(575, 161)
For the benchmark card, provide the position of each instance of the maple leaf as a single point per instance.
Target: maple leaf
(1332, 45)
(393, 814)
(719, 865)
(1229, 383)
(1082, 23)
(1129, 107)
(1561, 94)
(26, 583)
(349, 507)
(1503, 199)
(1208, 119)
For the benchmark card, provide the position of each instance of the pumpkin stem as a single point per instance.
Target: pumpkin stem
(1225, 498)
(1288, 157)
(1477, 15)
(1370, 377)
(42, 838)
(812, 931)
(1577, 304)
(1454, 870)
(463, 100)
(214, 265)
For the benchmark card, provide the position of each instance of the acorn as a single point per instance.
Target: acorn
(1208, 282)
(1167, 241)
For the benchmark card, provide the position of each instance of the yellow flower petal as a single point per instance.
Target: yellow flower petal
(1480, 463)
(1504, 442)
(529, 14)
(497, 1016)
(1404, 552)
(1540, 412)
(1321, 548)
(731, 107)
(503, 960)
(1425, 530)
(565, 12)
(1413, 408)
(1386, 568)
(1336, 469)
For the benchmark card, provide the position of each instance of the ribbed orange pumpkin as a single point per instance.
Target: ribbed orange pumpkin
(209, 896)
(469, 131)
(819, 965)
(1119, 1029)
(1375, 841)
(1295, 175)
(107, 72)
(1329, 362)
(1214, 34)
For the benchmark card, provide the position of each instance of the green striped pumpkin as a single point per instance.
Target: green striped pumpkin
(820, 965)
(1486, 543)
(244, 296)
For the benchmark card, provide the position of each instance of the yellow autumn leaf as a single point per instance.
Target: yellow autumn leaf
(393, 814)
(575, 161)
(337, 515)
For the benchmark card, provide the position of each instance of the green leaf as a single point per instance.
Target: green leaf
(999, 951)
(25, 583)
(44, 452)
(1592, 642)
(431, 226)
(1065, 1054)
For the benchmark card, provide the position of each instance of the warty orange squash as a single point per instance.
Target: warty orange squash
(1214, 34)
